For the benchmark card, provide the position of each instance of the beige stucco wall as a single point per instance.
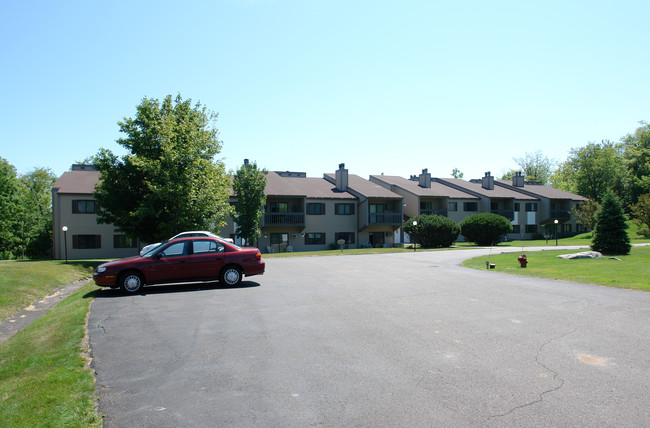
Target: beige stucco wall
(82, 224)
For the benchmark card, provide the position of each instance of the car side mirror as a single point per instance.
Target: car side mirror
(159, 256)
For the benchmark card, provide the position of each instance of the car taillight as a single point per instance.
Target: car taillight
(258, 256)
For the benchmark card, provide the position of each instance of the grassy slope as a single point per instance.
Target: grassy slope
(43, 378)
(24, 282)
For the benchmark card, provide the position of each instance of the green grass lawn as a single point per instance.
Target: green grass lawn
(43, 376)
(631, 272)
(24, 282)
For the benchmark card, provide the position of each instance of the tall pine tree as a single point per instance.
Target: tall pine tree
(610, 236)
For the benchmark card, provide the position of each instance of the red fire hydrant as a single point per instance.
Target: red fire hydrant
(523, 261)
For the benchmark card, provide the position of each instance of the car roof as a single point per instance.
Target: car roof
(191, 233)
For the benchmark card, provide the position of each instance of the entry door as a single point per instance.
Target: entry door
(377, 239)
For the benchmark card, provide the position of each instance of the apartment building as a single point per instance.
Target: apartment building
(380, 211)
(76, 233)
(315, 213)
(554, 209)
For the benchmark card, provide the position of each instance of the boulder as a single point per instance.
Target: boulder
(582, 255)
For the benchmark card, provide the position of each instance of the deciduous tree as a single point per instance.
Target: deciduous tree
(536, 167)
(169, 181)
(592, 170)
(248, 184)
(586, 213)
(637, 162)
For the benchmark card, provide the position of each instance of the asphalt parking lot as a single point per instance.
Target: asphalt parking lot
(409, 339)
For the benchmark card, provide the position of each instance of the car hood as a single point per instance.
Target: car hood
(122, 261)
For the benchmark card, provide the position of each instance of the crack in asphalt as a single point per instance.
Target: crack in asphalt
(541, 395)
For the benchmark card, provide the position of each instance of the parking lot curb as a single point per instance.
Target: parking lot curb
(31, 313)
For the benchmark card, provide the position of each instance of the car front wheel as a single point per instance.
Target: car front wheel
(131, 282)
(231, 276)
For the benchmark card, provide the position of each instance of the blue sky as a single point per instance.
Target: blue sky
(303, 85)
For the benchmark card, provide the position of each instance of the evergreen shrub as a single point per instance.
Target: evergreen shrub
(485, 229)
(432, 231)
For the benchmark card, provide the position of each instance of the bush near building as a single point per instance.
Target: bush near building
(432, 231)
(484, 229)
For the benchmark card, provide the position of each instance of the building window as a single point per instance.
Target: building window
(86, 242)
(314, 238)
(566, 228)
(494, 206)
(531, 207)
(516, 206)
(344, 209)
(516, 228)
(123, 241)
(452, 206)
(315, 208)
(348, 237)
(83, 207)
(279, 207)
(580, 228)
(531, 228)
(470, 206)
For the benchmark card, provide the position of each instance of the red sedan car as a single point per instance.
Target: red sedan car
(182, 260)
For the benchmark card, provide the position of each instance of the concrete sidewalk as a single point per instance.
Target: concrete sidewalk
(31, 313)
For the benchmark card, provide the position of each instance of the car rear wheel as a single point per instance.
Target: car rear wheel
(131, 282)
(231, 276)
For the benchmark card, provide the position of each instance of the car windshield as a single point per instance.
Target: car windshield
(152, 250)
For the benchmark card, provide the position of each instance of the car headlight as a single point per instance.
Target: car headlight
(101, 269)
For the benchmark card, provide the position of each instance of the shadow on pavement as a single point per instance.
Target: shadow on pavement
(107, 292)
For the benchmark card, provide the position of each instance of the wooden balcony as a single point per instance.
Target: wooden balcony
(284, 219)
(392, 219)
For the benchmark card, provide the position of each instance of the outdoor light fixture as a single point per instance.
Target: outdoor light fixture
(555, 230)
(415, 224)
(65, 241)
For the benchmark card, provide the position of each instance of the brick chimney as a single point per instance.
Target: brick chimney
(488, 181)
(342, 178)
(518, 179)
(425, 179)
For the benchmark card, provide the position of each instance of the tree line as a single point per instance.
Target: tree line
(25, 212)
(171, 180)
(597, 169)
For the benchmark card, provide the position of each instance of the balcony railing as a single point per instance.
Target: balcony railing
(434, 212)
(509, 214)
(284, 219)
(560, 214)
(385, 218)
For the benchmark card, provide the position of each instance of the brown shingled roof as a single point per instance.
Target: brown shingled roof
(78, 182)
(317, 188)
(497, 192)
(543, 191)
(366, 188)
(436, 189)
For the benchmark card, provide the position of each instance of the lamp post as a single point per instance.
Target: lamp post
(65, 241)
(555, 230)
(415, 224)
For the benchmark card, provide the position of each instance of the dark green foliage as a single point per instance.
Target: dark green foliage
(248, 184)
(9, 210)
(637, 162)
(610, 235)
(485, 229)
(25, 212)
(432, 231)
(169, 181)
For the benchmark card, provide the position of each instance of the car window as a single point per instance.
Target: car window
(207, 247)
(176, 249)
